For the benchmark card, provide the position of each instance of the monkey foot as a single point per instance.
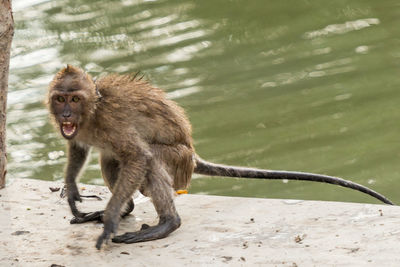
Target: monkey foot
(147, 233)
(98, 215)
(92, 196)
(88, 217)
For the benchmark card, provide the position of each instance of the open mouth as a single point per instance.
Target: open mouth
(68, 129)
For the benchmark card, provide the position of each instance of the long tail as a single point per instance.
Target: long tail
(212, 169)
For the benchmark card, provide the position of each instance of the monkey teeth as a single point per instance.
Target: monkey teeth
(68, 129)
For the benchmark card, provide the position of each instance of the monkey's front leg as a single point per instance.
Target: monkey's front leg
(77, 155)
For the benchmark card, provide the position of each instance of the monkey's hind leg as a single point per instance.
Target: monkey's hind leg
(162, 195)
(110, 169)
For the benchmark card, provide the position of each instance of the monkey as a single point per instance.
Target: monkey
(145, 143)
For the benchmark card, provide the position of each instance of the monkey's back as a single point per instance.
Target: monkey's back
(160, 122)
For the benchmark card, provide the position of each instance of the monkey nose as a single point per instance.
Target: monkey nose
(66, 114)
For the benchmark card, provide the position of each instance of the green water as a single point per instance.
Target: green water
(292, 85)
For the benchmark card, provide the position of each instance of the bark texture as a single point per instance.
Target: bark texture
(6, 34)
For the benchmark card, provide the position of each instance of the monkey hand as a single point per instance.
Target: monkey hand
(110, 227)
(73, 195)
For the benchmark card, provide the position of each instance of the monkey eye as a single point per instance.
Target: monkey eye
(60, 99)
(75, 99)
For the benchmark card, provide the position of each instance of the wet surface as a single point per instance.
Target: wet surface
(307, 87)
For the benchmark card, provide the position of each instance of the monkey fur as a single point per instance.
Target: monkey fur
(145, 144)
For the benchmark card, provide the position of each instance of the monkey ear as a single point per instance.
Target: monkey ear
(68, 68)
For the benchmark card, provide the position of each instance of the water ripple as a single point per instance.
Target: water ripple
(342, 28)
(33, 58)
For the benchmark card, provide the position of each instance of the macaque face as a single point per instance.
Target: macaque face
(71, 98)
(67, 109)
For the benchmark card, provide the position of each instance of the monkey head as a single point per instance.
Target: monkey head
(71, 100)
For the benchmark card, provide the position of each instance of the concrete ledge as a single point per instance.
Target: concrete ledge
(216, 231)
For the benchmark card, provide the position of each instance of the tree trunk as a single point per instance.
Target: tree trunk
(6, 34)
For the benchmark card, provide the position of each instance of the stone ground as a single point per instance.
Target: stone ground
(215, 231)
